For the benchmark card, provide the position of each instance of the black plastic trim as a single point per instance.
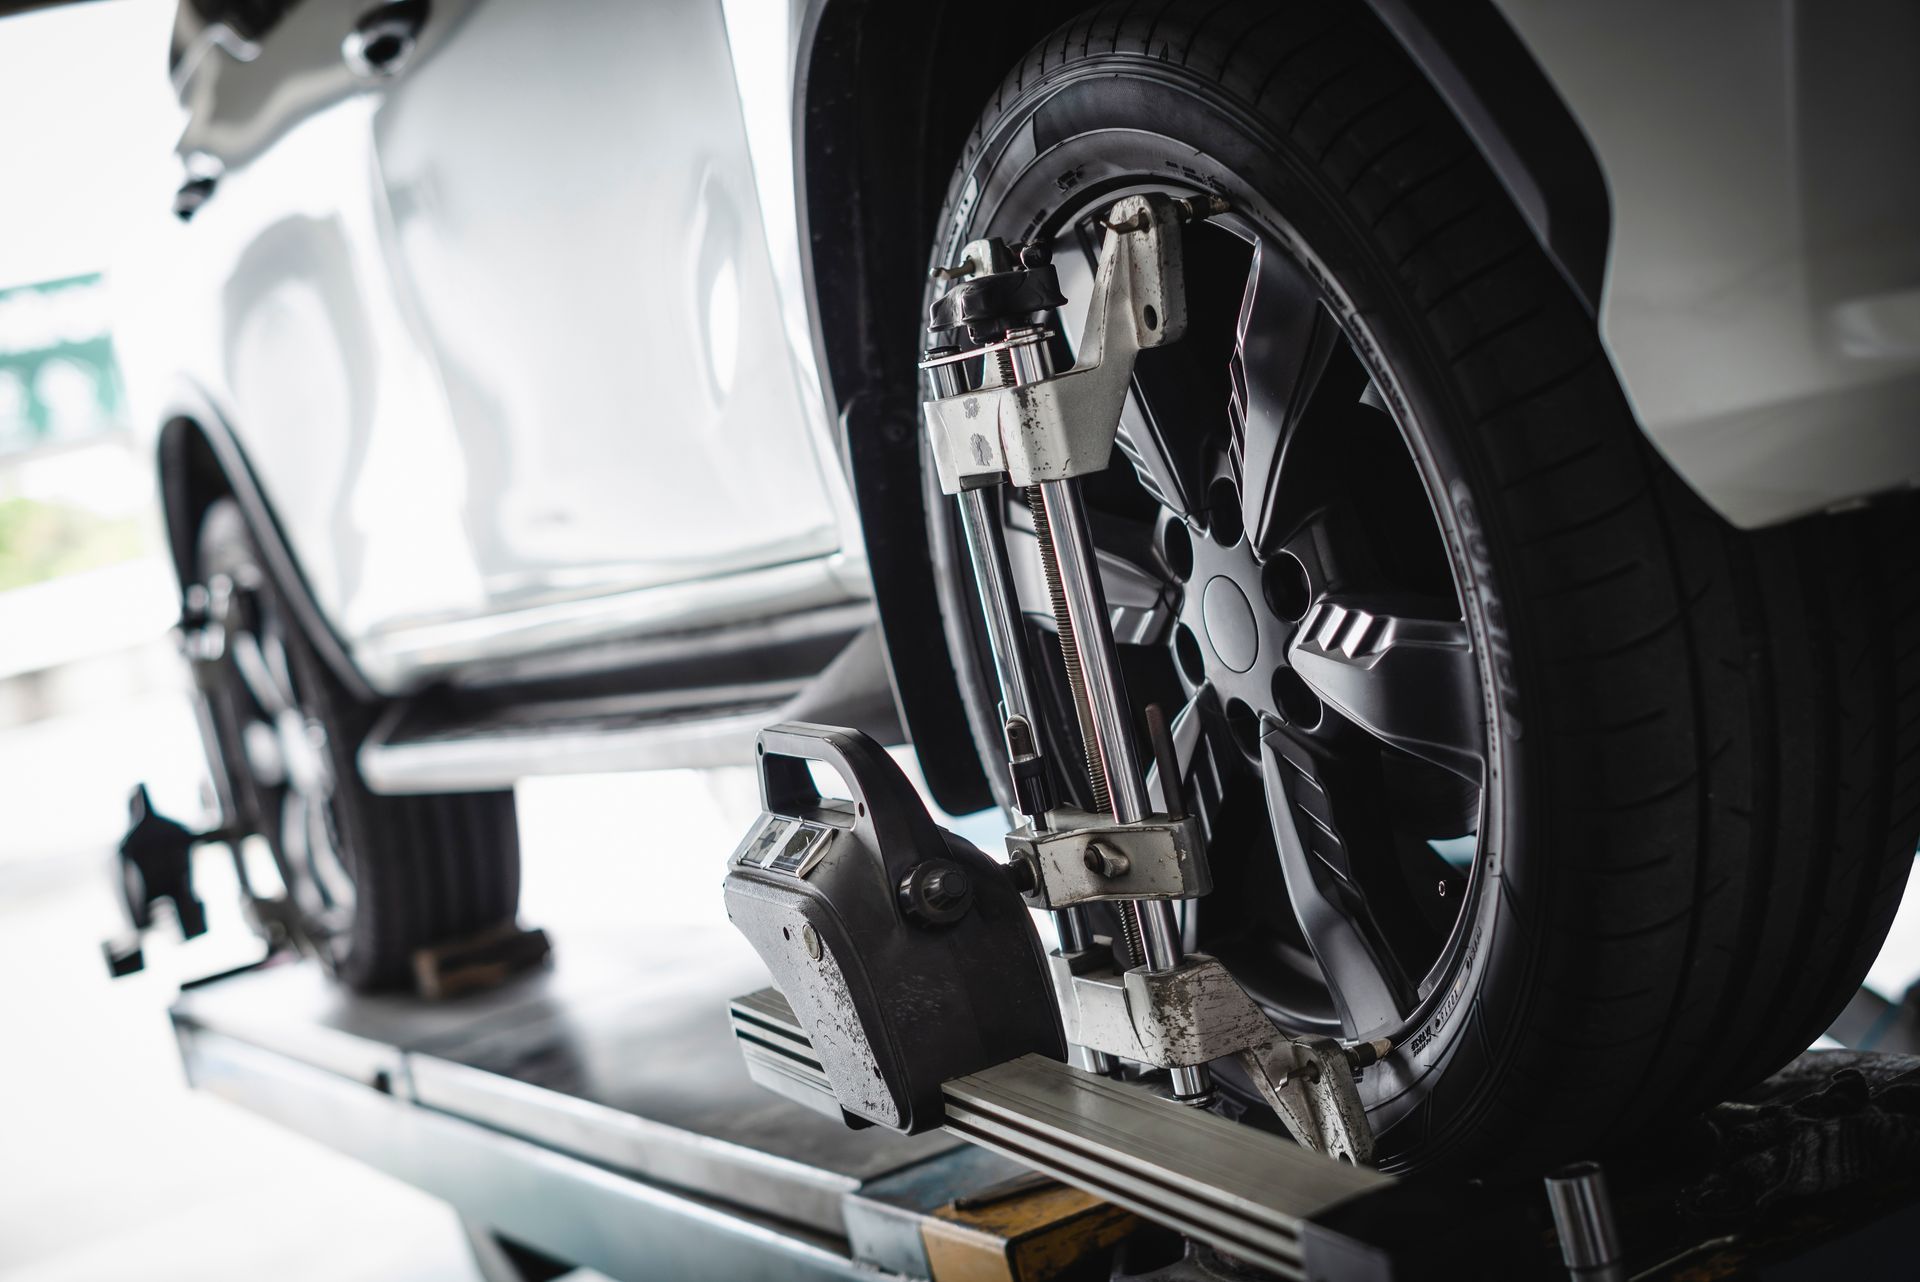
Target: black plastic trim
(1503, 99)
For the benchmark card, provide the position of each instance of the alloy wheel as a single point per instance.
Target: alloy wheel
(1276, 570)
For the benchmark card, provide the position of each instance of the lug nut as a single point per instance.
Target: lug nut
(1104, 861)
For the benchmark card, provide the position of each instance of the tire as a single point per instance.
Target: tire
(1700, 790)
(370, 879)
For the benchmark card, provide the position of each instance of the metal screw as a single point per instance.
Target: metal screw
(1443, 890)
(1023, 875)
(1104, 861)
(811, 938)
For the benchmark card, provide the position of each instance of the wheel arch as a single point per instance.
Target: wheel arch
(886, 94)
(200, 461)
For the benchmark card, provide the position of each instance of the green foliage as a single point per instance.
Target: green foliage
(41, 541)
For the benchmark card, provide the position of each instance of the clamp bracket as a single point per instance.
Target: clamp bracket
(1309, 1082)
(1198, 1012)
(1089, 858)
(1064, 426)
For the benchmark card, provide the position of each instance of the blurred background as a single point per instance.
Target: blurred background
(109, 1167)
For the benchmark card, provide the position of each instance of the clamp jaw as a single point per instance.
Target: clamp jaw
(1196, 1013)
(1061, 426)
(155, 861)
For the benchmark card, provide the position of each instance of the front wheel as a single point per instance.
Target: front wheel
(369, 879)
(1508, 749)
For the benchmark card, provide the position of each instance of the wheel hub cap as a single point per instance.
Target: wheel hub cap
(1232, 631)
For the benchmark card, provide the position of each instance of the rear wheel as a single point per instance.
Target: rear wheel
(1508, 748)
(369, 879)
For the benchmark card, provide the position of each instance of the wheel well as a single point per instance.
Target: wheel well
(886, 96)
(197, 467)
(191, 478)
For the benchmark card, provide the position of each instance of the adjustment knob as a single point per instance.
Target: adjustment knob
(937, 892)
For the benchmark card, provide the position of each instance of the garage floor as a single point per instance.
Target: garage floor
(111, 1168)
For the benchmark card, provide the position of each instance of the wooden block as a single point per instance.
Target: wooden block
(477, 962)
(1034, 1232)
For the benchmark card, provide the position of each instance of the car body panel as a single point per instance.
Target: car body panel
(472, 428)
(1762, 295)
(539, 368)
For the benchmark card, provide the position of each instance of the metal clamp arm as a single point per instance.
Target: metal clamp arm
(1088, 858)
(1064, 426)
(1198, 1012)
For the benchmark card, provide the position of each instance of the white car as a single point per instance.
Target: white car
(547, 400)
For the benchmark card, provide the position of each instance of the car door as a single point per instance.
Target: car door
(573, 224)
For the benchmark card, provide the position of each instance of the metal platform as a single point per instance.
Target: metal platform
(599, 1112)
(602, 1113)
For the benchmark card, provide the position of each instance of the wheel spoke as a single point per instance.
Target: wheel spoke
(1200, 743)
(1325, 818)
(1282, 343)
(266, 680)
(1140, 604)
(1401, 670)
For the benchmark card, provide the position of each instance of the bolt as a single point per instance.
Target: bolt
(1201, 206)
(1020, 872)
(811, 938)
(1443, 890)
(1104, 861)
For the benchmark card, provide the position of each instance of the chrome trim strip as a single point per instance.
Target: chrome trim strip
(497, 760)
(403, 659)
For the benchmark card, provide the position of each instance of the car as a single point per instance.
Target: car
(1522, 539)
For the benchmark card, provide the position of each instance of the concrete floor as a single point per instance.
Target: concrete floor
(111, 1168)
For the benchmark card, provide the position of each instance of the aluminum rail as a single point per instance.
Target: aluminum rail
(1245, 1191)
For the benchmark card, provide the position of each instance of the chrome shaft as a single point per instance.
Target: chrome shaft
(1583, 1220)
(1006, 637)
(1070, 656)
(1093, 638)
(1107, 697)
(987, 549)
